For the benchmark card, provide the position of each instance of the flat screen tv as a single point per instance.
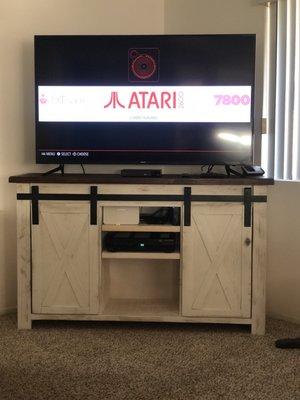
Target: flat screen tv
(144, 99)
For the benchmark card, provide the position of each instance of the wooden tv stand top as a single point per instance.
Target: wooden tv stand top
(166, 179)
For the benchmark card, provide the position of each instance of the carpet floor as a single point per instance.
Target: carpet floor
(145, 361)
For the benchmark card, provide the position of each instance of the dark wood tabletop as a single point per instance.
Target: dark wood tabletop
(165, 179)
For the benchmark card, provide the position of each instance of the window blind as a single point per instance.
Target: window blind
(283, 86)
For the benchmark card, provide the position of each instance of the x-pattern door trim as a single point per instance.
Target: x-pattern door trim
(216, 264)
(64, 266)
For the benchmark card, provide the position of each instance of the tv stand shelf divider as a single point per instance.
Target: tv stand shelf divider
(140, 255)
(140, 228)
(217, 276)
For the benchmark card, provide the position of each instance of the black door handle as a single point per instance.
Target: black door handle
(247, 242)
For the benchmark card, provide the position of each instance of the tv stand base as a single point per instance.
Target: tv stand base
(60, 168)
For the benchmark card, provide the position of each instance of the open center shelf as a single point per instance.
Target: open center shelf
(139, 287)
(136, 308)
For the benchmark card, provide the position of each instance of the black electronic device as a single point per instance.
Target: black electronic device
(252, 170)
(144, 99)
(161, 242)
(150, 173)
(164, 215)
(244, 170)
(288, 343)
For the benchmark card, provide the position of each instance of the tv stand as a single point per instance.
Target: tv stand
(60, 168)
(65, 272)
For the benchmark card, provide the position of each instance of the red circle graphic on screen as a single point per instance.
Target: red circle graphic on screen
(144, 66)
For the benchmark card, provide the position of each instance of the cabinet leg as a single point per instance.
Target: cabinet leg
(24, 323)
(24, 303)
(259, 262)
(24, 260)
(258, 326)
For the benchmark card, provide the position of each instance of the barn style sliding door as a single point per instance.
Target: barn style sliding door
(217, 262)
(64, 260)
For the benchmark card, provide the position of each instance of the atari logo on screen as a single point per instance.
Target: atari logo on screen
(144, 99)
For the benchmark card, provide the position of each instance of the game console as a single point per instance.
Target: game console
(161, 242)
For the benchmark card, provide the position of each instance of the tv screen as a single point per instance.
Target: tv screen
(157, 99)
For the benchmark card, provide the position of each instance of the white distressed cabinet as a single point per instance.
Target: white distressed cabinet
(217, 275)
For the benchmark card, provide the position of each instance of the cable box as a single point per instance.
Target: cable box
(141, 172)
(161, 242)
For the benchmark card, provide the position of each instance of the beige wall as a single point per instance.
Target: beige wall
(19, 21)
(283, 278)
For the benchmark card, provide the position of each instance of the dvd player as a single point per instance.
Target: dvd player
(162, 242)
